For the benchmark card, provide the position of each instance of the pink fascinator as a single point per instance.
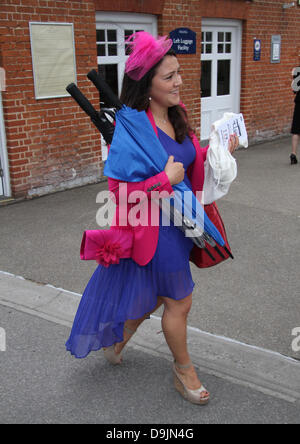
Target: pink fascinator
(146, 51)
(106, 247)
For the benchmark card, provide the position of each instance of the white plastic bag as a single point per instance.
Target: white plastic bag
(220, 166)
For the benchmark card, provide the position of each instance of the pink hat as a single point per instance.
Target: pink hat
(146, 51)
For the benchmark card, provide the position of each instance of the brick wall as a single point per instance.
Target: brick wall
(51, 143)
(266, 97)
(135, 6)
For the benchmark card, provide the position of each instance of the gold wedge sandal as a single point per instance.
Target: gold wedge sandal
(109, 353)
(194, 396)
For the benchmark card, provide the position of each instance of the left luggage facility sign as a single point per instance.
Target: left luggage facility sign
(53, 58)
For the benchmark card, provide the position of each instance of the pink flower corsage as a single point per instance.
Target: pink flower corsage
(109, 254)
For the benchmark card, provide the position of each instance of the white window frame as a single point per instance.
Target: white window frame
(3, 154)
(235, 79)
(237, 24)
(121, 21)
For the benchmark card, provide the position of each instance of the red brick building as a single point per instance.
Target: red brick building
(48, 144)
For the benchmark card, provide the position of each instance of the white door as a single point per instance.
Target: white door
(3, 154)
(220, 71)
(1, 175)
(112, 30)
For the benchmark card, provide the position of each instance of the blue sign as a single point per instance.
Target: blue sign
(184, 41)
(257, 50)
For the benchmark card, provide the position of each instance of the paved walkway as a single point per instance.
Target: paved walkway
(42, 383)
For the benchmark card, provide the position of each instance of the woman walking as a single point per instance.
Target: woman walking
(119, 298)
(295, 131)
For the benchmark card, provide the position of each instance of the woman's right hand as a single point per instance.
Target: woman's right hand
(174, 171)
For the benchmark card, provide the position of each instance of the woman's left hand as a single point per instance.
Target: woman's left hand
(233, 143)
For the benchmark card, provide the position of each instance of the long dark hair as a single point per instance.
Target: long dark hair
(135, 94)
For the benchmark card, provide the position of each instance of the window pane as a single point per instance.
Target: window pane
(228, 36)
(220, 36)
(208, 49)
(100, 35)
(112, 50)
(128, 32)
(206, 78)
(220, 48)
(101, 50)
(111, 35)
(209, 36)
(110, 75)
(228, 48)
(223, 77)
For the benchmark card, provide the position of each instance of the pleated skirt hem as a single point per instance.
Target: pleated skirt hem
(119, 293)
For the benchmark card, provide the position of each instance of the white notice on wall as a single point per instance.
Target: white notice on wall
(53, 58)
(2, 79)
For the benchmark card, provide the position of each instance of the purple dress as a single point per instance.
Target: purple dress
(128, 290)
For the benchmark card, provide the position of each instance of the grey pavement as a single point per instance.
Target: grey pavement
(241, 322)
(43, 384)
